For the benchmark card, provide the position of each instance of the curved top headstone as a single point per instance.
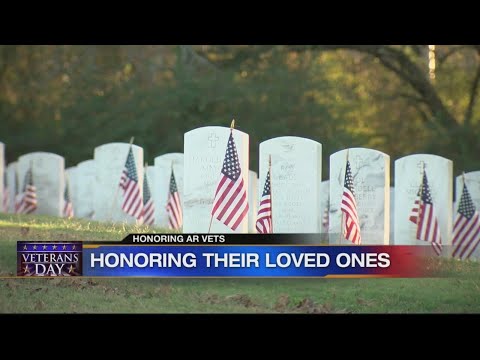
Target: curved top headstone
(371, 182)
(295, 182)
(204, 152)
(162, 173)
(48, 177)
(87, 163)
(110, 161)
(408, 177)
(85, 184)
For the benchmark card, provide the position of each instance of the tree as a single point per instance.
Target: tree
(458, 132)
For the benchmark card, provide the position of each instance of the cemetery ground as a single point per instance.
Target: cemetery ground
(457, 292)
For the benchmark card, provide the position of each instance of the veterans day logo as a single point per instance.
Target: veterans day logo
(49, 258)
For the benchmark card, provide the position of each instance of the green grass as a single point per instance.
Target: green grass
(457, 293)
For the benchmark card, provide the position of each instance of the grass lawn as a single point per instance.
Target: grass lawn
(457, 293)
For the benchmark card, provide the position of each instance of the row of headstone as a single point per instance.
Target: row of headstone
(299, 197)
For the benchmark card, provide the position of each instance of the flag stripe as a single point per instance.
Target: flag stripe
(423, 215)
(230, 204)
(348, 206)
(132, 203)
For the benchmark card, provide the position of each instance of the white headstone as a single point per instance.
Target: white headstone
(324, 196)
(392, 214)
(13, 185)
(71, 180)
(110, 161)
(253, 201)
(408, 177)
(295, 183)
(2, 170)
(371, 182)
(163, 171)
(48, 174)
(204, 150)
(472, 179)
(84, 192)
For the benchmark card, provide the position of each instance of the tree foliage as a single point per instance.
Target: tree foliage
(70, 99)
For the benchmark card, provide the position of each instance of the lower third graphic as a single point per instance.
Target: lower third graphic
(49, 258)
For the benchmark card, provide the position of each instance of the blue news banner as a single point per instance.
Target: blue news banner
(235, 255)
(250, 261)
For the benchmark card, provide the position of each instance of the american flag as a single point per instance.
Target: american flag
(67, 202)
(174, 205)
(351, 228)
(132, 198)
(28, 199)
(466, 230)
(264, 215)
(230, 205)
(423, 215)
(5, 192)
(148, 207)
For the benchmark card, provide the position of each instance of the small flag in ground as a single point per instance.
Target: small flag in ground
(132, 198)
(148, 207)
(174, 205)
(230, 205)
(466, 229)
(423, 214)
(67, 202)
(5, 193)
(28, 199)
(325, 219)
(351, 227)
(264, 215)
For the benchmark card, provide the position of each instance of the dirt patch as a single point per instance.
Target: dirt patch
(241, 299)
(282, 303)
(305, 306)
(237, 299)
(163, 290)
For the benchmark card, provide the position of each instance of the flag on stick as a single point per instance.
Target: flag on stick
(466, 228)
(174, 205)
(28, 199)
(148, 206)
(132, 198)
(264, 215)
(423, 215)
(230, 205)
(351, 224)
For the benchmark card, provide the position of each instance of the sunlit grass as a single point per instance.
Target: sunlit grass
(458, 291)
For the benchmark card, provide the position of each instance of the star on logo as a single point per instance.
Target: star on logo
(26, 270)
(34, 247)
(73, 247)
(64, 247)
(71, 269)
(24, 247)
(44, 247)
(54, 247)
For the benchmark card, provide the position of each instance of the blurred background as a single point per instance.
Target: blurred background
(401, 99)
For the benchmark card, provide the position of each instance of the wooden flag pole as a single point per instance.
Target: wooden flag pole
(342, 219)
(118, 186)
(271, 191)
